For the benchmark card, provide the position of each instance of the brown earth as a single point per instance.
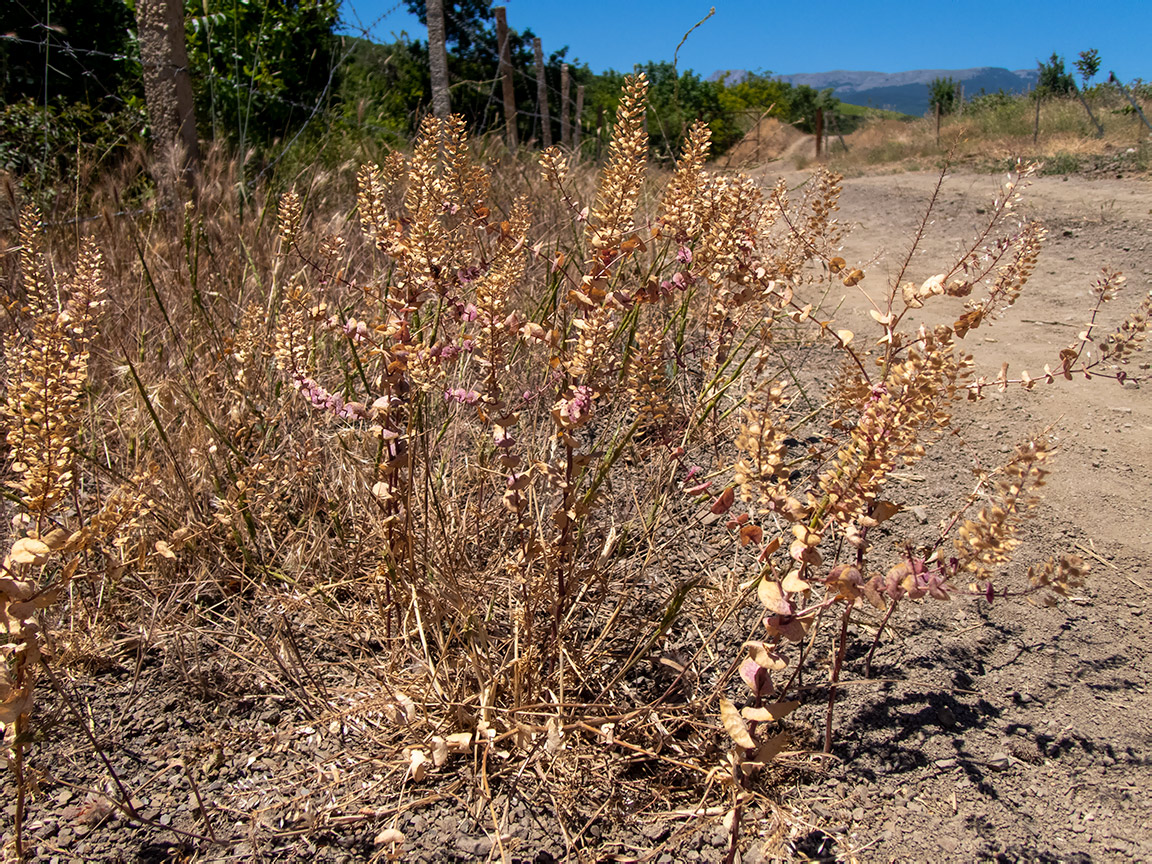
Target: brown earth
(1026, 736)
(989, 732)
(768, 141)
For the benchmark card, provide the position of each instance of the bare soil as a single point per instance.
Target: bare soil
(988, 732)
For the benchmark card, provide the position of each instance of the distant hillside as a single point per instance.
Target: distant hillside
(906, 92)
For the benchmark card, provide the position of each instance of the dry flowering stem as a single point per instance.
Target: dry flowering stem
(886, 419)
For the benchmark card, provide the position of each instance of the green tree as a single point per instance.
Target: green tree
(70, 91)
(806, 101)
(261, 67)
(1088, 65)
(67, 51)
(743, 103)
(382, 90)
(943, 93)
(675, 100)
(1054, 80)
(469, 25)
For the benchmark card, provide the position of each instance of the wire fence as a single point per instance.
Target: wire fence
(53, 42)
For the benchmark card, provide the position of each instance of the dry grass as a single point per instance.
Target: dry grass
(470, 434)
(997, 133)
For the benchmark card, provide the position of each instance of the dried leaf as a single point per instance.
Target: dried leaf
(793, 583)
(805, 554)
(792, 629)
(773, 598)
(555, 737)
(734, 725)
(757, 678)
(417, 765)
(389, 836)
(17, 589)
(459, 742)
(771, 748)
(724, 503)
(771, 548)
(17, 702)
(882, 511)
(766, 657)
(751, 534)
(879, 317)
(439, 751)
(771, 713)
(55, 539)
(164, 549)
(29, 550)
(845, 336)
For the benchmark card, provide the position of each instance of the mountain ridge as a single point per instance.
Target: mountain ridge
(906, 92)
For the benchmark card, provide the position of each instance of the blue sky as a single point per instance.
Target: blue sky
(787, 36)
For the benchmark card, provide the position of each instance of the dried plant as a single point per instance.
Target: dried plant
(484, 430)
(47, 364)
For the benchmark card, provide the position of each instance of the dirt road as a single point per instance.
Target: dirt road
(1036, 744)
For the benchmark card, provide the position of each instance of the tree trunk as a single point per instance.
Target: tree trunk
(438, 60)
(542, 95)
(506, 74)
(168, 88)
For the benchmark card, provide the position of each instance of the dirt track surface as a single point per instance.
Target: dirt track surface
(1028, 738)
(1003, 732)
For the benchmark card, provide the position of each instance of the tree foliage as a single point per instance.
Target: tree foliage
(943, 93)
(261, 67)
(1054, 80)
(468, 25)
(67, 52)
(806, 101)
(1088, 65)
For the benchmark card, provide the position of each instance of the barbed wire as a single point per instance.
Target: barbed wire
(52, 41)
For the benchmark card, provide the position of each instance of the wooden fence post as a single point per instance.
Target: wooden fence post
(506, 75)
(599, 131)
(1112, 77)
(577, 121)
(819, 129)
(542, 94)
(1036, 129)
(565, 107)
